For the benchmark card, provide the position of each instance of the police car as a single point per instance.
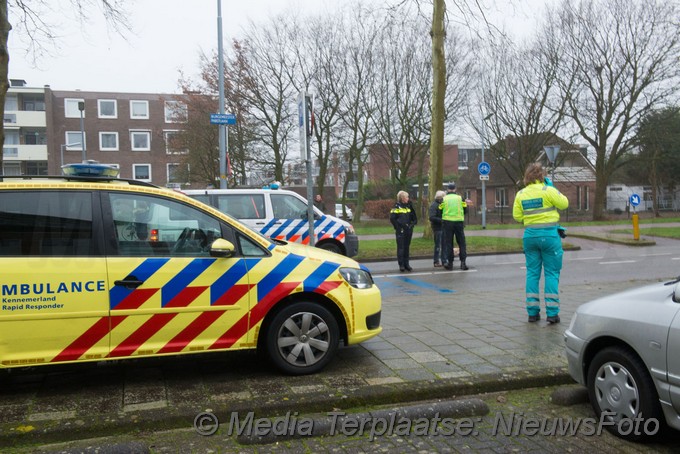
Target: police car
(281, 215)
(98, 268)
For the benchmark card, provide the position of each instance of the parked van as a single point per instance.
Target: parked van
(281, 215)
(95, 268)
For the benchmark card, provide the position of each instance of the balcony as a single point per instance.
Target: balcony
(25, 118)
(25, 152)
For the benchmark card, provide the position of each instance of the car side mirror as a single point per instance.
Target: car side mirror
(676, 293)
(221, 248)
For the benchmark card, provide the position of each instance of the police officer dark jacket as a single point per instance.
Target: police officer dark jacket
(403, 216)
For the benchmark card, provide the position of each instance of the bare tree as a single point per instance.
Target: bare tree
(357, 100)
(402, 116)
(269, 90)
(321, 71)
(619, 61)
(521, 102)
(29, 22)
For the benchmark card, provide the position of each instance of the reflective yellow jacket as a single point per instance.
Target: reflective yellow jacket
(453, 208)
(536, 206)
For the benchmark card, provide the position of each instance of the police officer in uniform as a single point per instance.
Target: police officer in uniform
(453, 225)
(403, 218)
(536, 207)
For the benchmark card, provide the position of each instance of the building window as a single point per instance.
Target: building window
(36, 168)
(108, 108)
(178, 173)
(71, 109)
(34, 137)
(173, 143)
(108, 141)
(501, 197)
(141, 140)
(176, 112)
(74, 140)
(139, 110)
(462, 159)
(141, 172)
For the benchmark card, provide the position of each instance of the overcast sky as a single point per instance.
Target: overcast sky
(168, 35)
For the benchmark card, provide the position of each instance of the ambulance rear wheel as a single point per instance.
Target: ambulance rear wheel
(302, 338)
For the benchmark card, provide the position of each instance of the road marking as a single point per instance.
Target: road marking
(616, 263)
(654, 255)
(586, 258)
(675, 258)
(427, 273)
(426, 285)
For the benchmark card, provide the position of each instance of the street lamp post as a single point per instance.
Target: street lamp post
(81, 108)
(551, 152)
(64, 145)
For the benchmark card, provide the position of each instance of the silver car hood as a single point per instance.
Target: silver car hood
(636, 316)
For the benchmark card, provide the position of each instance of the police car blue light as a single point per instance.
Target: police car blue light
(90, 169)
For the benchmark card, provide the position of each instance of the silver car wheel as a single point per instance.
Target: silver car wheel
(616, 391)
(303, 339)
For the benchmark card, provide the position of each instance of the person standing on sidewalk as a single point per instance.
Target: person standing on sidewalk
(403, 218)
(536, 207)
(453, 225)
(319, 203)
(435, 214)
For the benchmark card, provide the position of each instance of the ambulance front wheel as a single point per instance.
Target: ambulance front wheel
(302, 338)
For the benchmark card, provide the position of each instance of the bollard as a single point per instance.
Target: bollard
(636, 227)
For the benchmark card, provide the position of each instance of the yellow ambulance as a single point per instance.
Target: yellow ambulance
(93, 268)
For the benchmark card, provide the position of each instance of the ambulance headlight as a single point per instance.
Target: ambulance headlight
(357, 278)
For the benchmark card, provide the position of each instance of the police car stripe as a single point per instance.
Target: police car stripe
(269, 225)
(177, 286)
(283, 227)
(296, 228)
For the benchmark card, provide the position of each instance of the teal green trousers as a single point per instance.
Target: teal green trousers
(543, 253)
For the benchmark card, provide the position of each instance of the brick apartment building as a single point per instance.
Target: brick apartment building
(133, 131)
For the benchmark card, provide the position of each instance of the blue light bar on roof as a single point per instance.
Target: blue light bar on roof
(90, 169)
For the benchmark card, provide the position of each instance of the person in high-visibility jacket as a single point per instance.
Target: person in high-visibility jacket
(403, 218)
(454, 208)
(536, 207)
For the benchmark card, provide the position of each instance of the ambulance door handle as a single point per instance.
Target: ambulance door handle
(129, 282)
(259, 223)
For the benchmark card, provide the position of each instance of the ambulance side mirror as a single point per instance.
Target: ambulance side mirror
(221, 248)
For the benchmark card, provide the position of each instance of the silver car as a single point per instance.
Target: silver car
(625, 348)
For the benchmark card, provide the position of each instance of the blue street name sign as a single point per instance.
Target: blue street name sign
(635, 200)
(222, 119)
(484, 168)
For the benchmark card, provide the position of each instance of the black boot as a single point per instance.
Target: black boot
(463, 266)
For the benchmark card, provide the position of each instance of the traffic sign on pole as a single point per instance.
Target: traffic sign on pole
(222, 119)
(484, 168)
(635, 200)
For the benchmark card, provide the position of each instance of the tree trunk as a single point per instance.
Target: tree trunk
(438, 91)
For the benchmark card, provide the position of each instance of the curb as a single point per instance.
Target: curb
(85, 425)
